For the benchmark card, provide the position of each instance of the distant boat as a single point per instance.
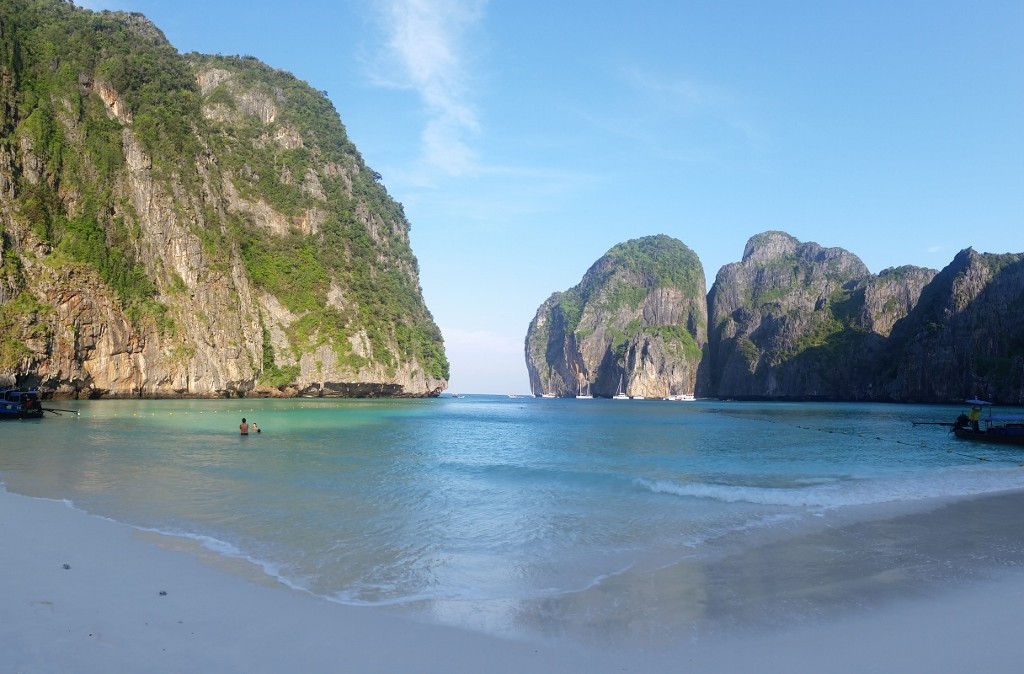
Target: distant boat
(583, 394)
(619, 393)
(682, 396)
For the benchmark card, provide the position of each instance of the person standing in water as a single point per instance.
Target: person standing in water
(244, 427)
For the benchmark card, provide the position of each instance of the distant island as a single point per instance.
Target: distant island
(191, 226)
(789, 321)
(635, 324)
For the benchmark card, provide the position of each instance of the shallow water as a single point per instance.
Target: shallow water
(479, 510)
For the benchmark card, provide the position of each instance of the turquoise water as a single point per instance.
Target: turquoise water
(465, 509)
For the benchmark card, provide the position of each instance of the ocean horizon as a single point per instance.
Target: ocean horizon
(515, 516)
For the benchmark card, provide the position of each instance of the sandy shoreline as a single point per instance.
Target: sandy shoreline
(106, 612)
(128, 604)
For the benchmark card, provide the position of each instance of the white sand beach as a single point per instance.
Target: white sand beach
(83, 594)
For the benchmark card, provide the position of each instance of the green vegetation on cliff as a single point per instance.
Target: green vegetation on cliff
(642, 265)
(12, 313)
(53, 54)
(662, 261)
(57, 52)
(299, 269)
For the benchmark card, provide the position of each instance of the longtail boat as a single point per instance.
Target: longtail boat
(1006, 430)
(16, 403)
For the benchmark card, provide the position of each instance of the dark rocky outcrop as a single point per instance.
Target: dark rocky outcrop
(774, 312)
(964, 338)
(795, 321)
(635, 323)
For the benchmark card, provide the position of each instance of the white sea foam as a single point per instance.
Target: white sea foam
(958, 482)
(227, 550)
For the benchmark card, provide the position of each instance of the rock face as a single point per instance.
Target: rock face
(789, 321)
(635, 324)
(964, 338)
(796, 321)
(191, 226)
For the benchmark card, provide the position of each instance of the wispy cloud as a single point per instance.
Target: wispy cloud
(428, 52)
(681, 95)
(677, 116)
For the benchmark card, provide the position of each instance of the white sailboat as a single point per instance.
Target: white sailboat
(583, 394)
(679, 396)
(619, 393)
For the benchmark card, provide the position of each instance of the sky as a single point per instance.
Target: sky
(525, 139)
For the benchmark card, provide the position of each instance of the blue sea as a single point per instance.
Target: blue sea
(510, 515)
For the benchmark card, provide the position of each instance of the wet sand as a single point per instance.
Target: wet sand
(934, 591)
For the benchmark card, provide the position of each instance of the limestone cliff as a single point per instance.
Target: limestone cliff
(636, 323)
(965, 337)
(789, 321)
(191, 225)
(795, 321)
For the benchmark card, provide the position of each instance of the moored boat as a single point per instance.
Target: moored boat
(619, 393)
(1008, 434)
(16, 403)
(584, 393)
(1006, 430)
